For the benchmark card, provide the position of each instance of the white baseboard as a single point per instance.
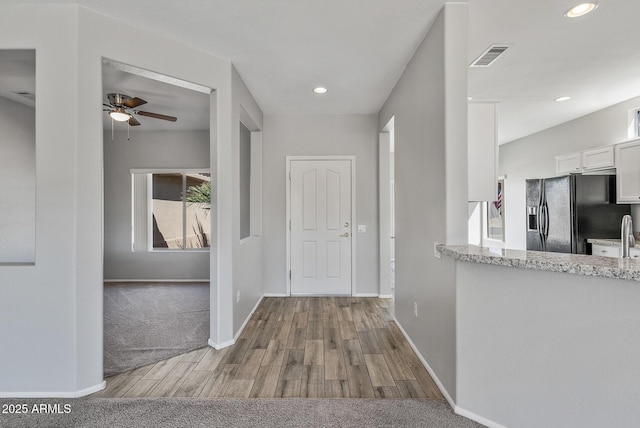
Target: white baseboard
(244, 324)
(155, 280)
(228, 343)
(318, 295)
(457, 409)
(92, 389)
(382, 296)
(219, 346)
(470, 415)
(76, 394)
(426, 365)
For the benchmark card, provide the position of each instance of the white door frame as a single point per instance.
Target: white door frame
(353, 213)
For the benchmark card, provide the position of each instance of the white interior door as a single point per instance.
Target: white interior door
(320, 227)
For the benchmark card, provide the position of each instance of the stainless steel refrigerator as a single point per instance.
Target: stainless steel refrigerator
(563, 212)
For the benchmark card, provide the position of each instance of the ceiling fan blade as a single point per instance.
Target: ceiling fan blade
(134, 102)
(133, 121)
(157, 116)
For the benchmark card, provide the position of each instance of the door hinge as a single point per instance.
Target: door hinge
(289, 174)
(289, 274)
(289, 224)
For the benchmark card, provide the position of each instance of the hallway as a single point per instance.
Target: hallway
(331, 347)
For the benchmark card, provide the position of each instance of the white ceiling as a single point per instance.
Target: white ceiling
(594, 59)
(190, 107)
(359, 48)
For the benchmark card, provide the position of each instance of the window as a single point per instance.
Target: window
(250, 177)
(245, 182)
(493, 217)
(18, 157)
(171, 210)
(633, 130)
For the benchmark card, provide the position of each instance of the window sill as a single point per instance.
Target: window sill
(189, 250)
(249, 239)
(17, 264)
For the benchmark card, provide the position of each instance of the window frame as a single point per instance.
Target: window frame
(633, 121)
(148, 215)
(255, 176)
(486, 240)
(245, 173)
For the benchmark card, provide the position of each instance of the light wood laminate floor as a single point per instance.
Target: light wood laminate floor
(329, 347)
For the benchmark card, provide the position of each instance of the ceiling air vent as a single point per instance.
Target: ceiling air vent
(489, 56)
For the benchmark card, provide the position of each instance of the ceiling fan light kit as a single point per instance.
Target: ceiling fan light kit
(121, 108)
(119, 115)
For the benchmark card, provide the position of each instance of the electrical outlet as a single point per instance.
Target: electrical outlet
(436, 253)
(238, 297)
(415, 309)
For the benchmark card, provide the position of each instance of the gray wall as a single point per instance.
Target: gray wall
(547, 349)
(295, 135)
(247, 253)
(534, 157)
(57, 304)
(17, 182)
(426, 192)
(147, 149)
(38, 304)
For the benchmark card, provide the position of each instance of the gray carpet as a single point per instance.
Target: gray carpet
(276, 413)
(148, 322)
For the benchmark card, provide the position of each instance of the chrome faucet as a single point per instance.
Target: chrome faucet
(626, 236)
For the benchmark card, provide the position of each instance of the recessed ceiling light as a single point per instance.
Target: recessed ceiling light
(560, 99)
(320, 90)
(580, 10)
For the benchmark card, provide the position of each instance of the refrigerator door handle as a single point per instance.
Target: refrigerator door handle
(544, 225)
(539, 221)
(546, 222)
(543, 203)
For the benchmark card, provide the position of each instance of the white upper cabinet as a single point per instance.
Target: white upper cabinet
(598, 158)
(585, 161)
(482, 151)
(628, 172)
(566, 164)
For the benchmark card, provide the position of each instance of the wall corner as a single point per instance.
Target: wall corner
(456, 32)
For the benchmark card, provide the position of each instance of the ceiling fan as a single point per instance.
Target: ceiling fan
(121, 108)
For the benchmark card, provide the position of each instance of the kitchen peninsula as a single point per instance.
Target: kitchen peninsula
(547, 339)
(580, 264)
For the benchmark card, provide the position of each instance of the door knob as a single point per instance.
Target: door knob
(345, 235)
(346, 224)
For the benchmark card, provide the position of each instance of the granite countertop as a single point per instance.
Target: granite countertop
(579, 264)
